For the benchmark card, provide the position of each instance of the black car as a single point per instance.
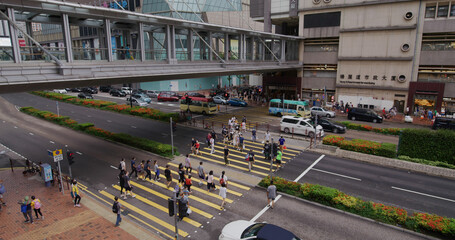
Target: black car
(363, 114)
(195, 94)
(117, 93)
(330, 126)
(444, 123)
(85, 95)
(90, 90)
(105, 88)
(76, 90)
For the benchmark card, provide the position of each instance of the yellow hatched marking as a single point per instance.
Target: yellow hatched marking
(130, 215)
(191, 196)
(230, 182)
(239, 156)
(206, 192)
(196, 210)
(234, 166)
(147, 215)
(248, 146)
(261, 145)
(196, 179)
(233, 160)
(159, 207)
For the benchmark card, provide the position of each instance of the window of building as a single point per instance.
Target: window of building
(331, 19)
(430, 11)
(350, 76)
(367, 77)
(452, 9)
(443, 9)
(357, 77)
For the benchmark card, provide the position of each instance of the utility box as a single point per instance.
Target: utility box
(47, 174)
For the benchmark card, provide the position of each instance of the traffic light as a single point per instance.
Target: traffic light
(70, 156)
(170, 202)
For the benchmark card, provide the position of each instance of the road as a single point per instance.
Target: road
(95, 168)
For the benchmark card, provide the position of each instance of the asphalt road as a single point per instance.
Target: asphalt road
(94, 167)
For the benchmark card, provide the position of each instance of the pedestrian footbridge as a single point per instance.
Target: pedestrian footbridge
(54, 44)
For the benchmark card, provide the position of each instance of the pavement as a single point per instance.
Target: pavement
(61, 219)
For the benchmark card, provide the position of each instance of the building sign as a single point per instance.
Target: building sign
(360, 80)
(293, 8)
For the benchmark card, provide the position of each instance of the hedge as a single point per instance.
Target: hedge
(428, 144)
(111, 106)
(363, 146)
(363, 127)
(419, 222)
(427, 162)
(142, 143)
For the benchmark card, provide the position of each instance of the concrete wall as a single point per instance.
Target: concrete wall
(437, 58)
(320, 57)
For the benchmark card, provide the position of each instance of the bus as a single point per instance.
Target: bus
(197, 105)
(290, 107)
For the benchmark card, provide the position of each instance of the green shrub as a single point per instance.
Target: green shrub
(364, 127)
(363, 146)
(387, 150)
(83, 126)
(427, 162)
(428, 144)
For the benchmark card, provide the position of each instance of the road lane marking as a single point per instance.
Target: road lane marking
(15, 126)
(423, 194)
(133, 126)
(79, 153)
(114, 167)
(336, 174)
(264, 210)
(309, 168)
(109, 121)
(31, 133)
(52, 142)
(17, 108)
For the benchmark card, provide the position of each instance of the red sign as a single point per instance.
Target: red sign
(21, 42)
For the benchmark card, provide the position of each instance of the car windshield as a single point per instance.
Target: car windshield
(252, 230)
(325, 109)
(212, 104)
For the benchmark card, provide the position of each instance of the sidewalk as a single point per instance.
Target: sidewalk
(61, 219)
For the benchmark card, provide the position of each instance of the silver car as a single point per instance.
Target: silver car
(219, 100)
(136, 102)
(152, 93)
(323, 112)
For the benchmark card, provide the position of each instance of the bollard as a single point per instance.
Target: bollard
(311, 142)
(203, 122)
(11, 162)
(292, 132)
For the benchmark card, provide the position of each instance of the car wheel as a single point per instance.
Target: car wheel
(353, 118)
(311, 134)
(375, 121)
(328, 116)
(279, 114)
(335, 130)
(204, 113)
(286, 130)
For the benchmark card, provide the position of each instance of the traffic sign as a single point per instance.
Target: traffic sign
(58, 156)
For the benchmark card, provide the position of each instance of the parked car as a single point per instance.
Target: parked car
(444, 123)
(136, 102)
(137, 91)
(363, 114)
(219, 99)
(90, 90)
(174, 94)
(85, 95)
(76, 89)
(117, 93)
(323, 112)
(105, 88)
(195, 94)
(141, 97)
(237, 102)
(300, 125)
(152, 93)
(330, 126)
(127, 90)
(62, 91)
(241, 229)
(166, 97)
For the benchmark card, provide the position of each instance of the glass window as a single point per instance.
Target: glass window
(452, 10)
(430, 11)
(443, 9)
(293, 106)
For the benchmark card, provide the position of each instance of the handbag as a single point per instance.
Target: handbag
(189, 211)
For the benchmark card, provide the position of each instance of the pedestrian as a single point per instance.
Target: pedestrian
(271, 194)
(226, 155)
(26, 209)
(250, 159)
(2, 191)
(278, 160)
(241, 143)
(213, 134)
(188, 167)
(133, 167)
(36, 206)
(177, 189)
(281, 141)
(122, 183)
(212, 145)
(267, 150)
(140, 171)
(76, 194)
(222, 193)
(156, 169)
(122, 166)
(201, 173)
(193, 143)
(267, 136)
(128, 187)
(231, 134)
(148, 170)
(209, 136)
(181, 174)
(116, 208)
(210, 183)
(188, 183)
(183, 206)
(253, 135)
(244, 119)
(236, 140)
(224, 132)
(168, 175)
(243, 126)
(197, 145)
(223, 178)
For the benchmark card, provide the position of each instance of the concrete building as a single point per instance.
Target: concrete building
(374, 53)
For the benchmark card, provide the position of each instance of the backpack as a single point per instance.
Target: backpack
(37, 204)
(222, 181)
(188, 182)
(2, 189)
(115, 207)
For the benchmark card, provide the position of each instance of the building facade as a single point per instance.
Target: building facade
(375, 54)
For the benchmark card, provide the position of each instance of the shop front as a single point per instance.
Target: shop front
(425, 96)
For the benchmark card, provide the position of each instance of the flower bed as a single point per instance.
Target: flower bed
(363, 127)
(419, 222)
(142, 143)
(363, 146)
(111, 106)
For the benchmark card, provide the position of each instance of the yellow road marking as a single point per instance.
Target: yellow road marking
(248, 146)
(260, 144)
(234, 166)
(244, 162)
(145, 214)
(206, 192)
(239, 156)
(196, 210)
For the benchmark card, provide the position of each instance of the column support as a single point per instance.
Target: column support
(13, 37)
(67, 38)
(226, 47)
(107, 32)
(190, 48)
(141, 41)
(283, 50)
(211, 45)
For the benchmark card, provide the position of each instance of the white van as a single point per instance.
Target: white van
(127, 90)
(300, 125)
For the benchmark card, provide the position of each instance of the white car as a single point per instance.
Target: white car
(322, 112)
(219, 100)
(152, 93)
(127, 90)
(136, 102)
(300, 125)
(241, 229)
(62, 91)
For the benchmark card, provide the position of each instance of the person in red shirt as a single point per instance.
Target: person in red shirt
(197, 146)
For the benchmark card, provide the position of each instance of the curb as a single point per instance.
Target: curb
(355, 215)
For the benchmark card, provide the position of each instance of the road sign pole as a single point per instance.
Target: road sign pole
(58, 110)
(271, 158)
(60, 174)
(176, 217)
(69, 165)
(172, 139)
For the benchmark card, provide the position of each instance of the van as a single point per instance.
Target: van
(444, 123)
(300, 125)
(197, 105)
(364, 114)
(127, 90)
